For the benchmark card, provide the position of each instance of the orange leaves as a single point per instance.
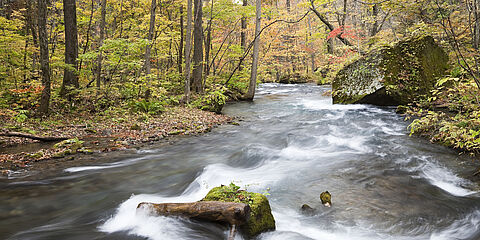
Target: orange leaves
(344, 32)
(30, 89)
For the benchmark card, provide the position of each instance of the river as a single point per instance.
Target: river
(292, 143)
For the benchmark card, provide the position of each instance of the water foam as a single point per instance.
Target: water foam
(464, 228)
(326, 104)
(127, 219)
(445, 179)
(106, 166)
(438, 175)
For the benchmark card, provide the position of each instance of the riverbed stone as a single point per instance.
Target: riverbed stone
(261, 218)
(392, 75)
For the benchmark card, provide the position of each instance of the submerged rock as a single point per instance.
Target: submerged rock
(261, 218)
(392, 75)
(307, 210)
(326, 198)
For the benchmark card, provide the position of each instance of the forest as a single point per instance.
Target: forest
(229, 119)
(80, 64)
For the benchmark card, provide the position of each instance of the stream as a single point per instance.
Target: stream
(292, 144)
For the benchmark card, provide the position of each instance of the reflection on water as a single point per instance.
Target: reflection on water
(385, 185)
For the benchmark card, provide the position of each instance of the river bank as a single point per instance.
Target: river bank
(89, 134)
(384, 183)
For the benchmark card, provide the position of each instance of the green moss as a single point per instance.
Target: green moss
(407, 71)
(261, 218)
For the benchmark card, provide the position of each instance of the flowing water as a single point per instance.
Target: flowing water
(293, 142)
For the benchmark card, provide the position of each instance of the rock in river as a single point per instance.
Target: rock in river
(392, 75)
(261, 218)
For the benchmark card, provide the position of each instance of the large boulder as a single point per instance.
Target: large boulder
(261, 218)
(392, 75)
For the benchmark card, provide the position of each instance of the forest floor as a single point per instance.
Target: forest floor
(88, 134)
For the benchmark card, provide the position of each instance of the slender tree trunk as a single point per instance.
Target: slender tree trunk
(243, 34)
(102, 38)
(70, 77)
(87, 41)
(287, 3)
(148, 67)
(476, 28)
(180, 47)
(312, 54)
(25, 51)
(329, 43)
(31, 25)
(45, 67)
(188, 49)
(374, 28)
(208, 43)
(121, 19)
(197, 47)
(256, 49)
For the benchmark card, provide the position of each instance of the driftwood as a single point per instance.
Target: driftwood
(31, 136)
(227, 212)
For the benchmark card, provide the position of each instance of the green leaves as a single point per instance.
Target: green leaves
(149, 107)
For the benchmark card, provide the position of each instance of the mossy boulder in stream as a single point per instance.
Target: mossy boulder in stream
(261, 218)
(392, 75)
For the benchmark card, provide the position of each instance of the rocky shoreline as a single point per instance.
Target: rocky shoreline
(94, 134)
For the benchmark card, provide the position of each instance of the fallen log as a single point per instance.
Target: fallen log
(31, 136)
(227, 212)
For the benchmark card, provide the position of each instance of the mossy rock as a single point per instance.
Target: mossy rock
(73, 144)
(392, 75)
(261, 218)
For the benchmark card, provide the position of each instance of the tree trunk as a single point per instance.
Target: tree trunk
(148, 67)
(180, 47)
(329, 43)
(102, 38)
(288, 5)
(256, 49)
(31, 136)
(70, 78)
(87, 41)
(312, 54)
(243, 34)
(121, 19)
(188, 49)
(226, 212)
(374, 28)
(197, 47)
(45, 67)
(344, 13)
(31, 25)
(476, 30)
(208, 43)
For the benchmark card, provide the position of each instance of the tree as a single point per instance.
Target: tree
(256, 49)
(243, 34)
(70, 77)
(45, 66)
(151, 29)
(180, 47)
(197, 47)
(325, 21)
(476, 27)
(101, 39)
(188, 49)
